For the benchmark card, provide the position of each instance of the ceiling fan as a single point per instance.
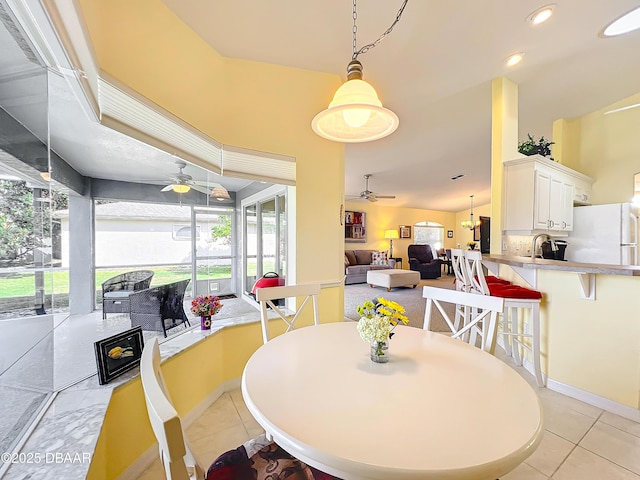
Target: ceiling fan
(183, 182)
(367, 194)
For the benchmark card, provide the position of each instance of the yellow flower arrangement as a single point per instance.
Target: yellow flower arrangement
(377, 320)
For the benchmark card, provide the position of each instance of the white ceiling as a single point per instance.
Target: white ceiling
(434, 70)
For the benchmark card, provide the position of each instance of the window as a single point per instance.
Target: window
(183, 232)
(429, 233)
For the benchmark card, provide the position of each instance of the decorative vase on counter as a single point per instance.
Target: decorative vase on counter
(205, 323)
(380, 351)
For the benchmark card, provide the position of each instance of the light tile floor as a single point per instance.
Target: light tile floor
(580, 441)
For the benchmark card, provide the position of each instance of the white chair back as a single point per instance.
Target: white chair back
(475, 274)
(176, 456)
(480, 312)
(267, 295)
(459, 270)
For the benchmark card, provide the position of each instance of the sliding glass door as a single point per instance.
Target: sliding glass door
(264, 232)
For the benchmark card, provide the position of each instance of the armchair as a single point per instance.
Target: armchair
(152, 307)
(116, 290)
(421, 260)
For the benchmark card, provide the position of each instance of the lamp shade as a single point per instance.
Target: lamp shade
(220, 193)
(355, 114)
(391, 234)
(180, 188)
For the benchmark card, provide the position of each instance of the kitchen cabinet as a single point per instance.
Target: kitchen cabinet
(582, 192)
(539, 196)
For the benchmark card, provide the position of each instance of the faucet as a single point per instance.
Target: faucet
(533, 243)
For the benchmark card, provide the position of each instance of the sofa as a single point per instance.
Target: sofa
(358, 262)
(421, 260)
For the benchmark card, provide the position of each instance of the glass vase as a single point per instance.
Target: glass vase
(380, 351)
(205, 323)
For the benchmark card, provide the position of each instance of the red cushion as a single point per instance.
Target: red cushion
(492, 279)
(513, 291)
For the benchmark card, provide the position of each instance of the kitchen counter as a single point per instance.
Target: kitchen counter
(528, 267)
(544, 264)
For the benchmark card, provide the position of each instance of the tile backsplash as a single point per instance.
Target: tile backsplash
(517, 245)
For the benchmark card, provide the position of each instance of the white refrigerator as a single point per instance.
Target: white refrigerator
(604, 234)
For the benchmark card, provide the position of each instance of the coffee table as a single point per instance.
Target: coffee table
(392, 278)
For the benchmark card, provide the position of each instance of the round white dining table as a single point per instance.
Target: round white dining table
(439, 409)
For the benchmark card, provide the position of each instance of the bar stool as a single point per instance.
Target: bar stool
(515, 297)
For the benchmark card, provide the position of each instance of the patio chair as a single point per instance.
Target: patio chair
(116, 290)
(152, 308)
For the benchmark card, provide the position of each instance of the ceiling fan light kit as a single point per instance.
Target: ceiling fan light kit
(356, 113)
(180, 188)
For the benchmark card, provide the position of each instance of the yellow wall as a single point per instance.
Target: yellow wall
(594, 346)
(248, 104)
(379, 219)
(237, 102)
(462, 235)
(608, 151)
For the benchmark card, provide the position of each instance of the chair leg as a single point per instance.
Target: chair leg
(516, 334)
(535, 342)
(506, 332)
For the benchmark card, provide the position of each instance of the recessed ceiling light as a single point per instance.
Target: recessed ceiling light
(514, 59)
(541, 15)
(625, 24)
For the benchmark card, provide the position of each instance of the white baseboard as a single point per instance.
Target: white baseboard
(595, 400)
(145, 460)
(588, 397)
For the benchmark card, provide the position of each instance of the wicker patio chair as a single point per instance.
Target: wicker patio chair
(116, 290)
(159, 308)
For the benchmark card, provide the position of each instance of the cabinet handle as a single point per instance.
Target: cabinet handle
(564, 225)
(551, 224)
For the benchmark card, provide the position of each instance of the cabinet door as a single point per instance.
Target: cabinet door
(567, 214)
(542, 198)
(556, 203)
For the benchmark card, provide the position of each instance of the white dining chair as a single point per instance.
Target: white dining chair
(516, 331)
(480, 311)
(177, 458)
(266, 296)
(259, 456)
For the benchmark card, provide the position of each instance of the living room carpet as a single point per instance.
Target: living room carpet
(410, 298)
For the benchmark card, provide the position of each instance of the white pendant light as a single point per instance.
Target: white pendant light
(356, 113)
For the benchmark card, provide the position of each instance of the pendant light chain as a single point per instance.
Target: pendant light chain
(369, 46)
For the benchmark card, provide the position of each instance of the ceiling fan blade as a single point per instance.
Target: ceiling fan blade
(385, 196)
(372, 199)
(167, 188)
(200, 189)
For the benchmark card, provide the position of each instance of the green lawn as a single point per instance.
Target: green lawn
(22, 284)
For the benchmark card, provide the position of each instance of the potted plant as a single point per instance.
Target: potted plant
(536, 147)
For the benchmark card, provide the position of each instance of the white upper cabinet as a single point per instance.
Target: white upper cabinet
(539, 196)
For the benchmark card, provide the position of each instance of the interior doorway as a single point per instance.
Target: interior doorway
(485, 234)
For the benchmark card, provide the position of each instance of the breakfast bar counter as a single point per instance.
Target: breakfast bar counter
(545, 264)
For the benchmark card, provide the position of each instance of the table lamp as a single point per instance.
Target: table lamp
(390, 235)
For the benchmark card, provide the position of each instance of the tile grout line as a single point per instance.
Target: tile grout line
(576, 445)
